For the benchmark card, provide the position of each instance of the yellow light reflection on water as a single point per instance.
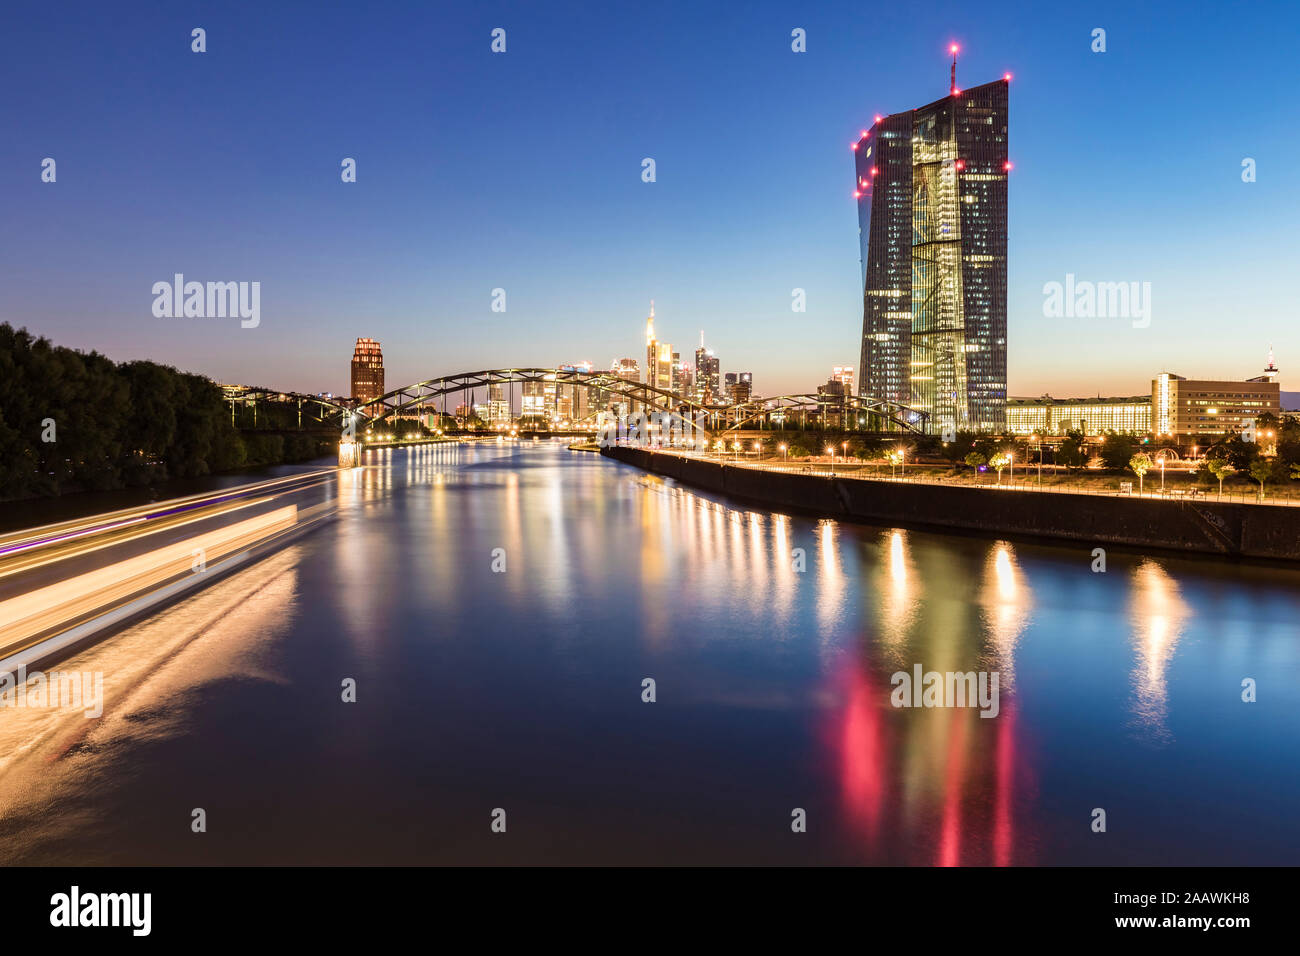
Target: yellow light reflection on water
(1159, 615)
(1006, 602)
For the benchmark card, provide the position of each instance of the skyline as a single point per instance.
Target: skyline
(447, 210)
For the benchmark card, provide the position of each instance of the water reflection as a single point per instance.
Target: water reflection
(773, 639)
(1158, 615)
(933, 785)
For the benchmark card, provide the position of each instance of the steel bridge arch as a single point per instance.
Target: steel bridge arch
(394, 404)
(245, 394)
(894, 412)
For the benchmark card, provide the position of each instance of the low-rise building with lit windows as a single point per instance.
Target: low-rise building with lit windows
(1092, 416)
(1185, 407)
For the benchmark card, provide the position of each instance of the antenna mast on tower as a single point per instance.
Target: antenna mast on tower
(952, 86)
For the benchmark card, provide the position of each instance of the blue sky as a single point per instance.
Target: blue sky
(522, 171)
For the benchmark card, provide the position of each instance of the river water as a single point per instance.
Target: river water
(499, 608)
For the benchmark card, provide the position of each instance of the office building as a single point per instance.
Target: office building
(659, 361)
(739, 387)
(1092, 416)
(627, 370)
(367, 375)
(932, 220)
(498, 406)
(533, 401)
(1182, 407)
(708, 379)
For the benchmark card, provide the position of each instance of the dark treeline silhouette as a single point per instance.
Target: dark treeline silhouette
(74, 421)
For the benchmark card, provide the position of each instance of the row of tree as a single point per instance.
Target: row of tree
(74, 420)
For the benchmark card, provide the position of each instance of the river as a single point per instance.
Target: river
(500, 608)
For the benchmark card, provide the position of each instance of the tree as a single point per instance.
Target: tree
(1239, 452)
(894, 457)
(1140, 464)
(975, 460)
(1263, 470)
(1000, 461)
(1117, 451)
(955, 451)
(1071, 454)
(1220, 468)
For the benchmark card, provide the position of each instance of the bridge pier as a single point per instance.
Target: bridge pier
(349, 454)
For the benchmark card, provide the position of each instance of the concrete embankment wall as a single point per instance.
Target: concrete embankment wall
(1201, 526)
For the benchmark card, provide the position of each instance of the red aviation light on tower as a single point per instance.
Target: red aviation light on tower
(1007, 77)
(857, 195)
(879, 117)
(864, 134)
(853, 145)
(875, 170)
(960, 164)
(1007, 166)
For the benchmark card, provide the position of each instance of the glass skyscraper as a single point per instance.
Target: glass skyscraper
(932, 222)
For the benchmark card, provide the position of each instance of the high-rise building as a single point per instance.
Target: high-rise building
(533, 401)
(844, 375)
(658, 360)
(627, 370)
(708, 380)
(740, 387)
(498, 405)
(367, 374)
(572, 400)
(932, 223)
(683, 380)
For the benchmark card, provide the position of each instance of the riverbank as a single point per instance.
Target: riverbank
(1196, 525)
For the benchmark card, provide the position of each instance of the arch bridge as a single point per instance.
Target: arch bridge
(320, 410)
(430, 396)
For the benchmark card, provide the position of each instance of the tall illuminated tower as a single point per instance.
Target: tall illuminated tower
(658, 359)
(932, 222)
(367, 374)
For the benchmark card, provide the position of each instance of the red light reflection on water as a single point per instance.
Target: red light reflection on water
(905, 806)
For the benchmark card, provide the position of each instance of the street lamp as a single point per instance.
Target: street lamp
(830, 450)
(1011, 460)
(1161, 460)
(902, 460)
(783, 457)
(1040, 457)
